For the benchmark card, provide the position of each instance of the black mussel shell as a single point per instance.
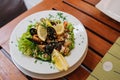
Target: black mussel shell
(51, 33)
(33, 31)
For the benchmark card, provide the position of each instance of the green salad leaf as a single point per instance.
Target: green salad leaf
(71, 28)
(25, 46)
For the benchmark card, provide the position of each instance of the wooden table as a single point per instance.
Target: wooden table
(102, 32)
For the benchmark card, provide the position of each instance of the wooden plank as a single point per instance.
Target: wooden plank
(98, 44)
(93, 2)
(91, 60)
(78, 74)
(95, 13)
(8, 71)
(6, 46)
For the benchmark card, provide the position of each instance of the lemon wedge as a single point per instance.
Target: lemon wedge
(59, 28)
(59, 61)
(42, 32)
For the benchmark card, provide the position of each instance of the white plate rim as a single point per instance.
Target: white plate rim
(36, 71)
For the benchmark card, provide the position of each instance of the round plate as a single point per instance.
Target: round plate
(41, 67)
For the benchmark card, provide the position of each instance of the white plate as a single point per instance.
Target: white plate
(50, 76)
(110, 8)
(26, 62)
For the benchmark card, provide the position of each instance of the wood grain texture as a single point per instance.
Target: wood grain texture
(78, 74)
(8, 71)
(92, 2)
(92, 59)
(98, 44)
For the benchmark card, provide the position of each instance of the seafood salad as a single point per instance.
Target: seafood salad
(49, 39)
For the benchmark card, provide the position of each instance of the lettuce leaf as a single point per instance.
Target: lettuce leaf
(25, 46)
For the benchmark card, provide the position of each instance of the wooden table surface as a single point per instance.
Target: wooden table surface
(102, 32)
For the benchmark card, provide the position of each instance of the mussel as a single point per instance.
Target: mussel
(53, 45)
(51, 33)
(33, 31)
(49, 48)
